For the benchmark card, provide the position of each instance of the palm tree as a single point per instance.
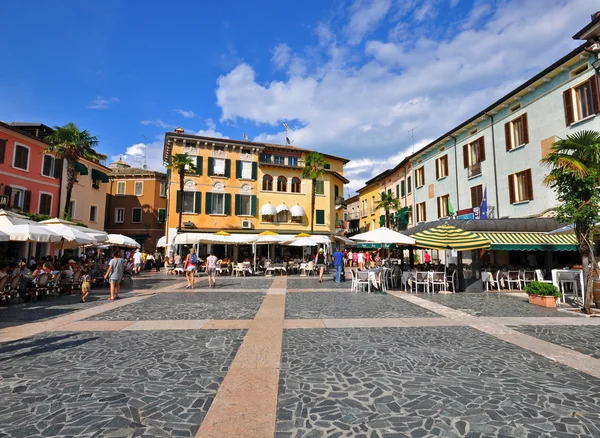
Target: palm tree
(69, 143)
(180, 164)
(388, 202)
(574, 175)
(314, 168)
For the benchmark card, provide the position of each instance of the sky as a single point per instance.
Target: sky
(369, 80)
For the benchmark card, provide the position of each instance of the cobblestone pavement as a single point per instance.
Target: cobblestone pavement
(584, 339)
(188, 305)
(312, 283)
(492, 304)
(441, 381)
(151, 384)
(318, 305)
(242, 283)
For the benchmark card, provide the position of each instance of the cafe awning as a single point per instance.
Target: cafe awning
(531, 241)
(81, 168)
(98, 175)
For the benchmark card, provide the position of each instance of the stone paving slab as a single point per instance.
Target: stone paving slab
(146, 384)
(312, 283)
(493, 304)
(584, 339)
(342, 305)
(415, 382)
(189, 305)
(243, 283)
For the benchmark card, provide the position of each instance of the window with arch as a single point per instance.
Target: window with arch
(295, 185)
(267, 183)
(281, 184)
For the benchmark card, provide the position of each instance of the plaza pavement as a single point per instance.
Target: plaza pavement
(291, 357)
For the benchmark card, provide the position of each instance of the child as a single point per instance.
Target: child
(85, 286)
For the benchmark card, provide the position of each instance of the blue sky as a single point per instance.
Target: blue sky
(350, 77)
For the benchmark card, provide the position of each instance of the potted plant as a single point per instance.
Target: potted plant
(542, 294)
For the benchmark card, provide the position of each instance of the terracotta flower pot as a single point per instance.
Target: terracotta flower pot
(541, 300)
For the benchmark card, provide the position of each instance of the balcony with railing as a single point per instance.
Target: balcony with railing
(354, 215)
(474, 170)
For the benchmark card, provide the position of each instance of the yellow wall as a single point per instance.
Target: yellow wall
(373, 214)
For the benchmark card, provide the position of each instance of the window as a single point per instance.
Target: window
(441, 167)
(474, 152)
(420, 177)
(48, 166)
(520, 187)
(136, 215)
(93, 213)
(282, 216)
(245, 208)
(119, 215)
(138, 188)
(372, 204)
(409, 216)
(267, 183)
(442, 205)
(320, 187)
(281, 184)
(402, 188)
(45, 205)
(72, 209)
(163, 190)
(162, 214)
(296, 185)
(219, 167)
(121, 188)
(320, 217)
(218, 203)
(397, 191)
(278, 159)
(582, 101)
(516, 132)
(293, 161)
(364, 208)
(21, 157)
(579, 70)
(18, 198)
(476, 196)
(409, 185)
(421, 212)
(265, 158)
(245, 171)
(189, 205)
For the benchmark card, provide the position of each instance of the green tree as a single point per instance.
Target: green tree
(69, 143)
(574, 176)
(388, 202)
(314, 169)
(181, 164)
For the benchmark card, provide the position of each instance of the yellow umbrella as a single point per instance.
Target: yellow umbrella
(302, 235)
(268, 233)
(222, 233)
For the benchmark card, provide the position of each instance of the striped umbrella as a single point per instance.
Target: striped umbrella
(449, 237)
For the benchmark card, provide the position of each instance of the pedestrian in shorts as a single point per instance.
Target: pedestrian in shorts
(211, 269)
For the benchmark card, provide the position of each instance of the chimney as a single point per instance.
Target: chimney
(179, 130)
(596, 16)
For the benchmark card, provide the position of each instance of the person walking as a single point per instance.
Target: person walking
(350, 258)
(191, 266)
(137, 261)
(338, 262)
(321, 264)
(115, 270)
(158, 261)
(361, 261)
(211, 269)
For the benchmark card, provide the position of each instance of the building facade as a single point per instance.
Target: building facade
(88, 197)
(136, 203)
(249, 187)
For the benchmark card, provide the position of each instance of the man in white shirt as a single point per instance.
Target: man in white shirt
(137, 261)
(211, 270)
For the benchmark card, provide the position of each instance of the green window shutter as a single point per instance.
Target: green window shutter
(320, 217)
(337, 191)
(389, 191)
(227, 168)
(253, 205)
(402, 188)
(211, 166)
(161, 215)
(198, 165)
(227, 204)
(208, 206)
(178, 202)
(327, 166)
(238, 205)
(408, 185)
(254, 171)
(382, 220)
(238, 169)
(198, 203)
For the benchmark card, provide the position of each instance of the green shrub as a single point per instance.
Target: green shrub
(543, 289)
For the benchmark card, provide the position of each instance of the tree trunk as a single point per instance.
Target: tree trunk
(181, 184)
(312, 205)
(71, 162)
(387, 218)
(587, 258)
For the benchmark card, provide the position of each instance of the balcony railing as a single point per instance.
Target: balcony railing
(339, 200)
(353, 216)
(474, 170)
(340, 224)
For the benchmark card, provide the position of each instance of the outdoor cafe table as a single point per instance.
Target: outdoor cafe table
(570, 273)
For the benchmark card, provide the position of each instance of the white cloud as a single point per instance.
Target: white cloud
(281, 56)
(149, 153)
(366, 14)
(157, 122)
(363, 109)
(101, 103)
(186, 114)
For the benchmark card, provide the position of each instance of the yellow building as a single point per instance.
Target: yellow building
(368, 196)
(249, 187)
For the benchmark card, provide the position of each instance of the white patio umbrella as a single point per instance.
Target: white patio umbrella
(97, 235)
(162, 242)
(384, 235)
(72, 237)
(303, 241)
(31, 233)
(186, 239)
(120, 240)
(4, 237)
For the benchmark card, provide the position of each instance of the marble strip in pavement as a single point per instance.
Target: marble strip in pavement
(27, 330)
(370, 322)
(246, 402)
(168, 324)
(498, 328)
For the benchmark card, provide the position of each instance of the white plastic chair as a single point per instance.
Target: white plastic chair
(421, 279)
(514, 278)
(362, 279)
(438, 279)
(527, 277)
(540, 277)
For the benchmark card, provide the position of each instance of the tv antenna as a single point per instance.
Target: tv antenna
(246, 137)
(412, 137)
(145, 163)
(287, 134)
